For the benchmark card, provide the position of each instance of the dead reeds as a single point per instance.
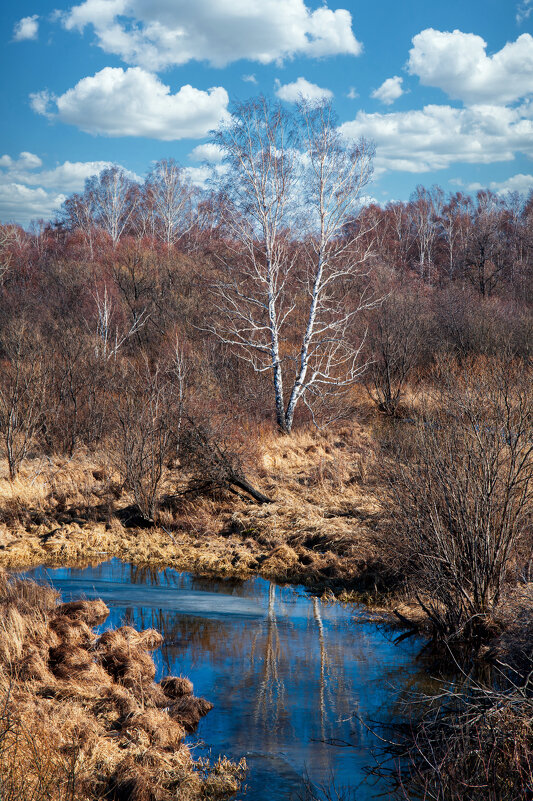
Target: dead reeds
(81, 716)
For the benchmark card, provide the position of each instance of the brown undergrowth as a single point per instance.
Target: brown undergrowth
(81, 716)
(317, 531)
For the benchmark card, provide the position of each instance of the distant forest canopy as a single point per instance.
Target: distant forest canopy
(484, 239)
(132, 276)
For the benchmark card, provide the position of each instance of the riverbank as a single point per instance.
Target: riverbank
(317, 531)
(287, 672)
(81, 715)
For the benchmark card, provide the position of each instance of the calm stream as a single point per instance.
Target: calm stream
(289, 675)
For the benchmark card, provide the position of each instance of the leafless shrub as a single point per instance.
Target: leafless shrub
(461, 494)
(148, 418)
(325, 791)
(470, 741)
(24, 379)
(212, 462)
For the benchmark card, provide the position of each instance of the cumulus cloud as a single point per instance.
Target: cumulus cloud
(249, 78)
(26, 28)
(458, 64)
(352, 93)
(389, 91)
(28, 192)
(25, 161)
(133, 102)
(301, 89)
(435, 137)
(22, 204)
(156, 34)
(516, 183)
(208, 152)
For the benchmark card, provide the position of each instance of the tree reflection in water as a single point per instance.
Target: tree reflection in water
(288, 673)
(270, 703)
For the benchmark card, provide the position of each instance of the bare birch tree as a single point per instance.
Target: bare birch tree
(333, 177)
(7, 240)
(114, 199)
(109, 337)
(171, 196)
(292, 185)
(425, 208)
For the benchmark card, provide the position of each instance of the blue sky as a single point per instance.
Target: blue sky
(444, 89)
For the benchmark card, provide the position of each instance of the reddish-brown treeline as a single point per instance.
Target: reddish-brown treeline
(121, 285)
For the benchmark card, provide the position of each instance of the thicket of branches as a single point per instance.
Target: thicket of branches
(470, 739)
(461, 494)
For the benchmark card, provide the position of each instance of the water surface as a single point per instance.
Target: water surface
(291, 677)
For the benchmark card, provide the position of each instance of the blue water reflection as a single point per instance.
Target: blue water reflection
(289, 675)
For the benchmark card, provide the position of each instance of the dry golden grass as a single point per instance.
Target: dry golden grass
(81, 717)
(318, 530)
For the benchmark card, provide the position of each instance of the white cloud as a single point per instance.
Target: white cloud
(21, 204)
(199, 176)
(26, 28)
(301, 89)
(27, 192)
(524, 10)
(249, 78)
(458, 64)
(156, 34)
(435, 137)
(208, 152)
(29, 161)
(516, 183)
(352, 93)
(389, 91)
(132, 102)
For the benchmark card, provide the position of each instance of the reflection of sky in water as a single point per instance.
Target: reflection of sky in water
(285, 671)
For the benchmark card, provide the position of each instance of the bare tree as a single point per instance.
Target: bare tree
(78, 214)
(171, 197)
(454, 222)
(147, 411)
(486, 252)
(75, 411)
(395, 338)
(23, 385)
(114, 198)
(291, 188)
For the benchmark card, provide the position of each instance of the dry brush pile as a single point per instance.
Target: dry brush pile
(81, 715)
